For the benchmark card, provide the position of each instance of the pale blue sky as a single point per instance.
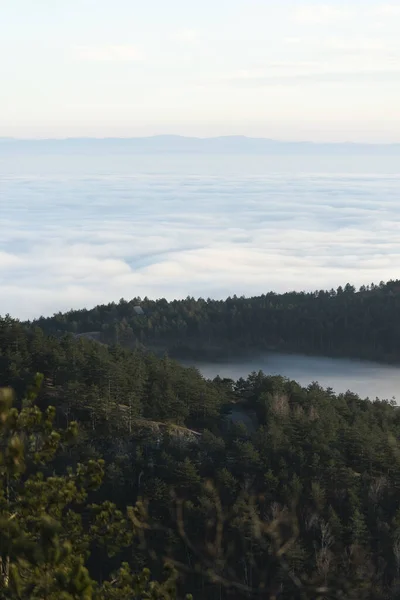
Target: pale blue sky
(276, 68)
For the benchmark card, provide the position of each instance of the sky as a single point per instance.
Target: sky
(285, 69)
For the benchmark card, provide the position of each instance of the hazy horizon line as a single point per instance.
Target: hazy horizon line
(172, 136)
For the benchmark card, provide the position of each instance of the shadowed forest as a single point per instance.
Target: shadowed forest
(342, 322)
(125, 475)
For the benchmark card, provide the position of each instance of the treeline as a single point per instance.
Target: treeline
(341, 322)
(300, 500)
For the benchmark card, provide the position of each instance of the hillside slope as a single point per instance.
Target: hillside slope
(306, 500)
(342, 322)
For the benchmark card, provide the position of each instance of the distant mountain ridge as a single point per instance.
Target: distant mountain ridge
(180, 144)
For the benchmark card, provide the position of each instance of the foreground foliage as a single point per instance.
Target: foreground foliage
(300, 500)
(45, 539)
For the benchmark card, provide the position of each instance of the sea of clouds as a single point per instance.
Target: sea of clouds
(77, 231)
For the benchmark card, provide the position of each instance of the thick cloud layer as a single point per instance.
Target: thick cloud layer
(78, 231)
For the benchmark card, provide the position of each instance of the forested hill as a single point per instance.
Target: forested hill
(105, 384)
(303, 504)
(344, 322)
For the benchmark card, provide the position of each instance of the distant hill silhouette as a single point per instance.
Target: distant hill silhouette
(179, 144)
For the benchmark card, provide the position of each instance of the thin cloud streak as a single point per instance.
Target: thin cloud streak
(321, 13)
(386, 10)
(387, 75)
(108, 53)
(185, 36)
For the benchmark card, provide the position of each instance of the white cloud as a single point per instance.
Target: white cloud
(279, 67)
(322, 13)
(329, 59)
(329, 75)
(341, 45)
(8, 261)
(386, 10)
(293, 40)
(188, 36)
(108, 53)
(309, 14)
(356, 44)
(73, 242)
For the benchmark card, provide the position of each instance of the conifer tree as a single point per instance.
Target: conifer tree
(44, 544)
